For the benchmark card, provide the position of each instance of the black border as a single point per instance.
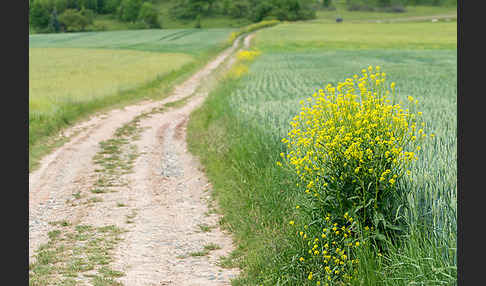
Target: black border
(15, 116)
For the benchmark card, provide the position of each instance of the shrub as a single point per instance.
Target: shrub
(351, 145)
(39, 15)
(73, 20)
(129, 9)
(149, 15)
(88, 14)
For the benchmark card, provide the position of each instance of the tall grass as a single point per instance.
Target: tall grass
(250, 118)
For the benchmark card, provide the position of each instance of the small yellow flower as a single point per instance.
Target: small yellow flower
(291, 222)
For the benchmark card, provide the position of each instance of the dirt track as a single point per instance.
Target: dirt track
(161, 203)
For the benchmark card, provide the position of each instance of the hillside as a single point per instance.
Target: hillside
(47, 16)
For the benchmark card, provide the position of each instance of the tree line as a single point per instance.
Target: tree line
(76, 15)
(253, 10)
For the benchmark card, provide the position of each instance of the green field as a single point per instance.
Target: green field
(58, 75)
(192, 41)
(74, 74)
(316, 36)
(326, 16)
(237, 135)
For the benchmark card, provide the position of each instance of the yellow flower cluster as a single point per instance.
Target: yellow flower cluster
(329, 256)
(354, 133)
(240, 67)
(247, 55)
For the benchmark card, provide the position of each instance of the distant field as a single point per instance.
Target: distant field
(192, 41)
(62, 75)
(73, 74)
(355, 16)
(317, 36)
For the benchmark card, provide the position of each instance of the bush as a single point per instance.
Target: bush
(129, 9)
(351, 146)
(39, 15)
(73, 20)
(88, 14)
(149, 15)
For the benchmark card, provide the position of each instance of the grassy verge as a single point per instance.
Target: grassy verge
(239, 163)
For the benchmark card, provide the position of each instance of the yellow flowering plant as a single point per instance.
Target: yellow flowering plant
(243, 57)
(327, 250)
(352, 144)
